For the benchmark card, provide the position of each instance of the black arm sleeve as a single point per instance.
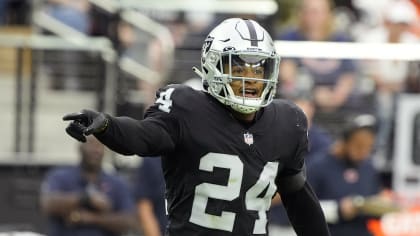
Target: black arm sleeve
(148, 137)
(305, 213)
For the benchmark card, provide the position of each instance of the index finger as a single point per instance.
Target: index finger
(74, 116)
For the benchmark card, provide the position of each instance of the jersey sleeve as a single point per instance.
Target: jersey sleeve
(292, 177)
(157, 134)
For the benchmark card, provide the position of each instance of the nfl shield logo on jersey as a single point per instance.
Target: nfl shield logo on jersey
(248, 138)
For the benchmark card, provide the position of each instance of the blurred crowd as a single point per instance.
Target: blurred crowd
(338, 96)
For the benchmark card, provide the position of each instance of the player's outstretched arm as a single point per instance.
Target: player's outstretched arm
(304, 211)
(123, 135)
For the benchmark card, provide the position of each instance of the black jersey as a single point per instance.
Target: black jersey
(220, 173)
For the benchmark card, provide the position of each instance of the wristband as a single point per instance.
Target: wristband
(105, 126)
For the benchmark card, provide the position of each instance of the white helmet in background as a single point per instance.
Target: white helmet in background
(236, 41)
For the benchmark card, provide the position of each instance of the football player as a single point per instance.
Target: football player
(225, 150)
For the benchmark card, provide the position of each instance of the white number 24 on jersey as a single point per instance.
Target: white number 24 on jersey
(231, 191)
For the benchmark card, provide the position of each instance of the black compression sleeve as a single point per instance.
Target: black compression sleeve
(128, 136)
(305, 212)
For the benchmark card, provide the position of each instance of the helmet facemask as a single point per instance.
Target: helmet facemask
(245, 81)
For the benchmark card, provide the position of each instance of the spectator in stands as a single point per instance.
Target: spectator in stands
(149, 192)
(345, 173)
(331, 80)
(389, 76)
(84, 200)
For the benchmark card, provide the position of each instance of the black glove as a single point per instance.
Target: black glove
(85, 123)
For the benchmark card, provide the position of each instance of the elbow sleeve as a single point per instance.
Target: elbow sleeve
(292, 183)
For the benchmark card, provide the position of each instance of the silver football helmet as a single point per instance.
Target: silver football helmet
(245, 43)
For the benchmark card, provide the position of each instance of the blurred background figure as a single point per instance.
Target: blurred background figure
(149, 193)
(372, 14)
(389, 76)
(330, 80)
(344, 173)
(85, 200)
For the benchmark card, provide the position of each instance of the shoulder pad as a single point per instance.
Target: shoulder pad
(176, 97)
(292, 112)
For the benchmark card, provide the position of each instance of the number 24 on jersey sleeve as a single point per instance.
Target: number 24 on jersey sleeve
(164, 100)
